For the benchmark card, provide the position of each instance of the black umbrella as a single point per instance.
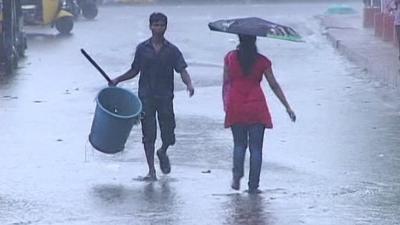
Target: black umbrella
(256, 27)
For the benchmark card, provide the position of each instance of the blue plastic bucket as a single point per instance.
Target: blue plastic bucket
(117, 110)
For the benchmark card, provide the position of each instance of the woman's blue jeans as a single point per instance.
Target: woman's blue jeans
(251, 136)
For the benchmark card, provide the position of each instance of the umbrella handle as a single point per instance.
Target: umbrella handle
(95, 65)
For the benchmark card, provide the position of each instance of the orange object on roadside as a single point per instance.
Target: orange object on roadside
(388, 27)
(368, 16)
(378, 24)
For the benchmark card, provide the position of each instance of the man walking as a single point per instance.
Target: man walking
(155, 60)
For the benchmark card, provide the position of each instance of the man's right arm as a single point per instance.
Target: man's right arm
(131, 73)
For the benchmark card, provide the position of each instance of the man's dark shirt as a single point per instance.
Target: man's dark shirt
(157, 69)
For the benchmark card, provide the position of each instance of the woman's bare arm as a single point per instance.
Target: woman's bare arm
(276, 88)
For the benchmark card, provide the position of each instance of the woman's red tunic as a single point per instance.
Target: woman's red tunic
(244, 99)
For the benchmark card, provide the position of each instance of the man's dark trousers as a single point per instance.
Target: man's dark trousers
(163, 107)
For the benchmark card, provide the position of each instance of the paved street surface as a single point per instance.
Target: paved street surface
(338, 164)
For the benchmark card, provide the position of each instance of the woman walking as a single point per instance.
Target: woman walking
(246, 108)
(396, 11)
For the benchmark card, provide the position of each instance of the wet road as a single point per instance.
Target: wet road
(338, 164)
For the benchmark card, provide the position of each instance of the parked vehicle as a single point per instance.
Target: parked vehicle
(48, 12)
(88, 8)
(12, 37)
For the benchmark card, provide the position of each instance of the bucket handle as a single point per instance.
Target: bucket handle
(140, 117)
(96, 65)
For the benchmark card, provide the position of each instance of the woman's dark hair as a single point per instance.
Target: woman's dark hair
(247, 50)
(156, 17)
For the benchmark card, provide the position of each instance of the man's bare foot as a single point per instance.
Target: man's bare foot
(165, 166)
(235, 185)
(254, 191)
(149, 177)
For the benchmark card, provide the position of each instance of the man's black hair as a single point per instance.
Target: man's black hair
(157, 16)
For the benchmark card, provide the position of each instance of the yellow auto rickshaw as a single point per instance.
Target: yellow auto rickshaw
(12, 37)
(48, 12)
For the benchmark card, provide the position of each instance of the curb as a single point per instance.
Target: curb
(383, 74)
(352, 55)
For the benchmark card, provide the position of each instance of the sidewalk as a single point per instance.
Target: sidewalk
(361, 46)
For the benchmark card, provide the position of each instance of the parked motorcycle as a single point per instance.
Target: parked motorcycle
(88, 8)
(12, 38)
